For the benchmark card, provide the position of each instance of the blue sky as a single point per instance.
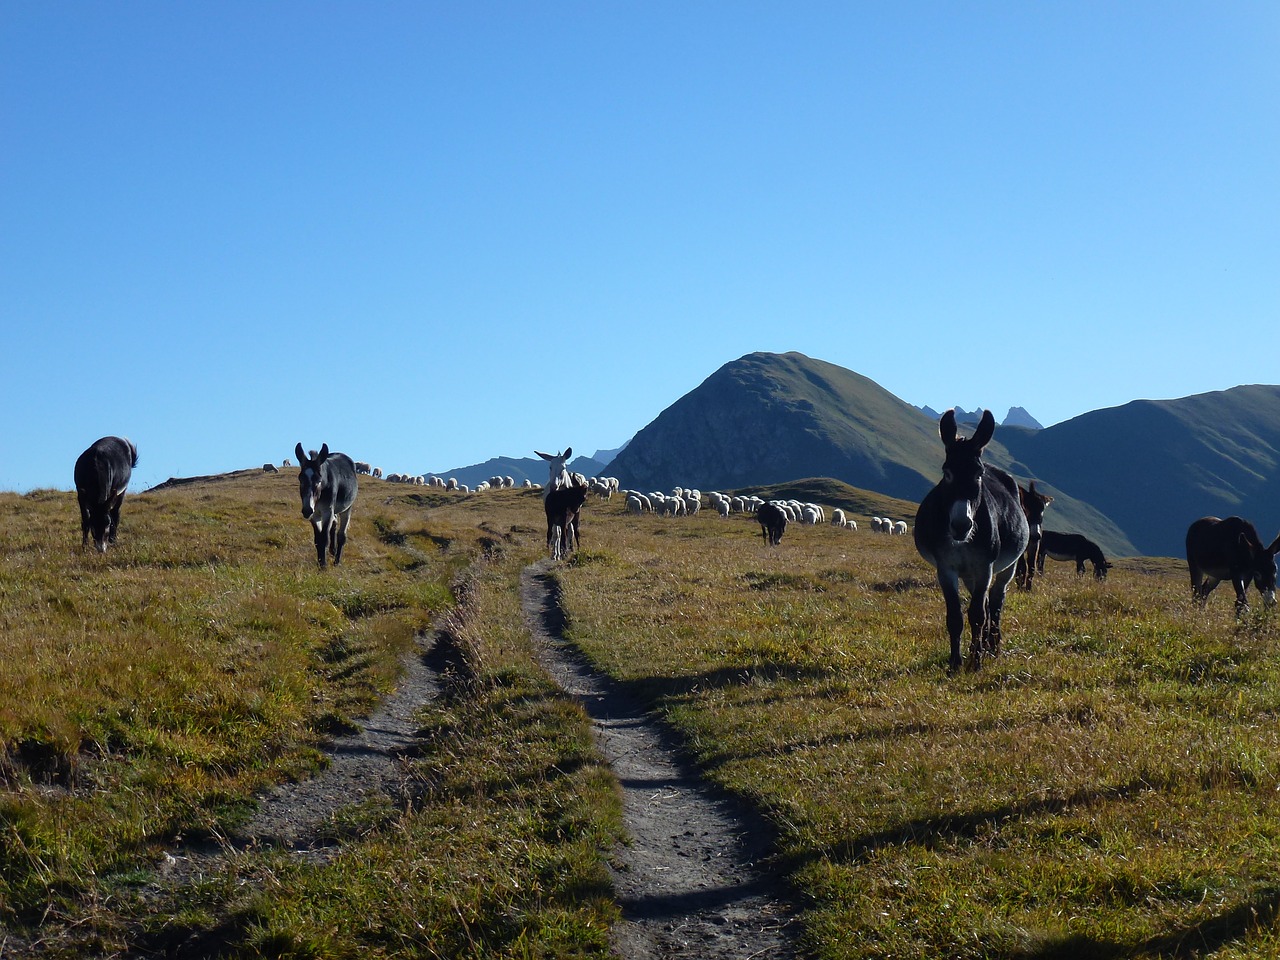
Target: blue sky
(433, 233)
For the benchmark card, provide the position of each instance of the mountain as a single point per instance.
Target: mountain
(767, 419)
(1132, 478)
(1016, 417)
(606, 457)
(1154, 466)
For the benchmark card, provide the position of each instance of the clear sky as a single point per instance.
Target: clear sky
(432, 233)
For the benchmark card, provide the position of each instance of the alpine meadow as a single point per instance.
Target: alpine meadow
(1109, 786)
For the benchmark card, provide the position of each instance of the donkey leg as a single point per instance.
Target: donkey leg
(977, 627)
(339, 535)
(979, 619)
(995, 607)
(955, 616)
(114, 514)
(321, 537)
(1242, 595)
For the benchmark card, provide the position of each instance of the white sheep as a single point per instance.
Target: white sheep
(900, 528)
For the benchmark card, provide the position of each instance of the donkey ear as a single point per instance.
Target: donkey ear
(947, 428)
(544, 456)
(568, 452)
(1275, 547)
(301, 454)
(986, 429)
(323, 455)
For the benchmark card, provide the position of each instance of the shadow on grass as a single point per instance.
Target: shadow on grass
(1197, 940)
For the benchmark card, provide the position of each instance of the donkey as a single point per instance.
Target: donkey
(1072, 546)
(1033, 504)
(773, 523)
(971, 527)
(327, 485)
(1231, 549)
(102, 474)
(559, 470)
(564, 508)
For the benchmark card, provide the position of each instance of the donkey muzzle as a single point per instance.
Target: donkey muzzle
(961, 521)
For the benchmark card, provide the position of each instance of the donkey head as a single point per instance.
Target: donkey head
(559, 472)
(963, 472)
(1033, 504)
(310, 477)
(1264, 572)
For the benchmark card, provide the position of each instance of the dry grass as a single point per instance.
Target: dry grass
(148, 694)
(1109, 787)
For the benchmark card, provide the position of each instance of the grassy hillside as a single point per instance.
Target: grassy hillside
(1063, 514)
(146, 697)
(1108, 788)
(859, 505)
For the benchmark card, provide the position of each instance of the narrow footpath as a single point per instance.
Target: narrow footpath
(692, 882)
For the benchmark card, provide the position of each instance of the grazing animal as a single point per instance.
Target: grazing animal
(971, 527)
(773, 522)
(559, 470)
(1230, 549)
(102, 475)
(1072, 546)
(269, 468)
(1033, 505)
(564, 508)
(327, 485)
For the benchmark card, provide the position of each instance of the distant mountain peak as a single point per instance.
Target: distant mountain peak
(1016, 417)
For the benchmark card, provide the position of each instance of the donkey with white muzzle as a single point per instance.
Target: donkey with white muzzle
(971, 527)
(327, 485)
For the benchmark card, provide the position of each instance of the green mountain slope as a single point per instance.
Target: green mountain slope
(1154, 466)
(768, 419)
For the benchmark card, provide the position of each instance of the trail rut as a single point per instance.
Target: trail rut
(692, 882)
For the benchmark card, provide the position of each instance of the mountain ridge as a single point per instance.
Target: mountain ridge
(1131, 477)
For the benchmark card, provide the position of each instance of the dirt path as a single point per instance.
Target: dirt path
(364, 764)
(691, 882)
